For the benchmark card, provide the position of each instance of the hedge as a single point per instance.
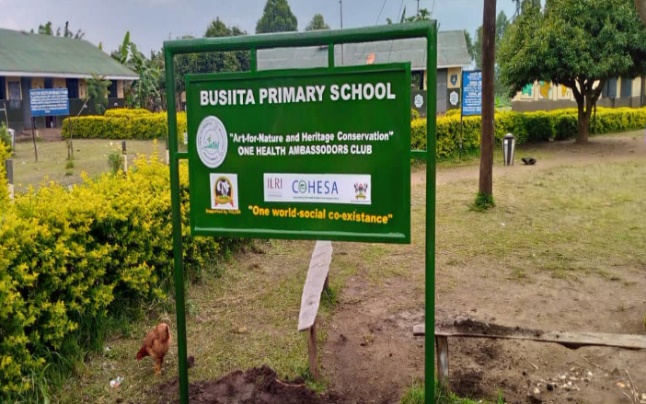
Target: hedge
(71, 258)
(532, 127)
(539, 126)
(5, 153)
(127, 112)
(122, 125)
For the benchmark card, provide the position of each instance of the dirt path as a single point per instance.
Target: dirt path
(371, 356)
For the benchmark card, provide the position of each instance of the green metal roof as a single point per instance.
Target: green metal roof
(451, 52)
(34, 55)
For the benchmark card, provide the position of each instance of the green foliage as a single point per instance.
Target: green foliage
(277, 17)
(527, 127)
(415, 395)
(122, 125)
(5, 153)
(142, 93)
(5, 137)
(47, 29)
(470, 46)
(502, 25)
(97, 92)
(605, 40)
(483, 202)
(127, 112)
(317, 23)
(115, 160)
(209, 62)
(71, 259)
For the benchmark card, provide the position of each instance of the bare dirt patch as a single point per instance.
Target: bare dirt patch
(256, 386)
(371, 356)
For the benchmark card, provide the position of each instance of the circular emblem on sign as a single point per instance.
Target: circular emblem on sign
(223, 191)
(302, 186)
(419, 101)
(453, 98)
(212, 142)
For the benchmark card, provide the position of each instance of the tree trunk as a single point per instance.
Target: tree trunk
(584, 124)
(488, 60)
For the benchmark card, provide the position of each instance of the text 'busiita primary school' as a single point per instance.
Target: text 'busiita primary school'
(297, 94)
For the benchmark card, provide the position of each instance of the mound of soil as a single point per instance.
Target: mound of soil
(257, 386)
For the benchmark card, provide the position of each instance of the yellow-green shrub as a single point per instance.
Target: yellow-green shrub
(122, 125)
(5, 153)
(127, 112)
(69, 258)
(539, 126)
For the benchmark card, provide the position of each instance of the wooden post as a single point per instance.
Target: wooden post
(125, 157)
(9, 168)
(442, 345)
(315, 283)
(33, 137)
(311, 350)
(485, 187)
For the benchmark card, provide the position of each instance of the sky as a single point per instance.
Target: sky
(151, 22)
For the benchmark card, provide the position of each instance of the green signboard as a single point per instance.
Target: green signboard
(308, 154)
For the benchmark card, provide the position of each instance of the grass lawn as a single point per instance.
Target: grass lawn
(564, 221)
(90, 156)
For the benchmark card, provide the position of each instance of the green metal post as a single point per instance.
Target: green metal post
(312, 38)
(254, 60)
(330, 55)
(177, 227)
(295, 39)
(429, 336)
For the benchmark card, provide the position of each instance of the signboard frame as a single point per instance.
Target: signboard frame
(328, 38)
(383, 172)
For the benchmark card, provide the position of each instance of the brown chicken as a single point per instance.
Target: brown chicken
(156, 346)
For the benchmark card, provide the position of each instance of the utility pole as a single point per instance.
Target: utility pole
(485, 187)
(417, 8)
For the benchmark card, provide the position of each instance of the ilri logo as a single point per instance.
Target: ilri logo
(274, 183)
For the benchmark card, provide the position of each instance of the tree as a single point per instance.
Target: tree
(144, 92)
(422, 15)
(604, 41)
(317, 23)
(470, 46)
(502, 25)
(97, 92)
(47, 29)
(206, 62)
(277, 17)
(520, 3)
(225, 61)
